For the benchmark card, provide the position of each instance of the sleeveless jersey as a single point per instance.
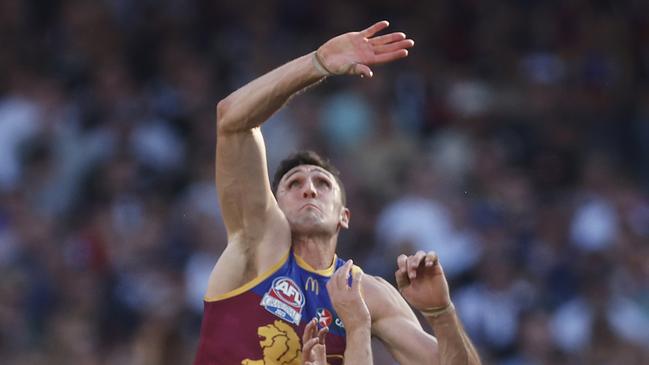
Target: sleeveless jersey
(261, 322)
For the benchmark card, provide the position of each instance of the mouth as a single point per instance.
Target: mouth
(310, 205)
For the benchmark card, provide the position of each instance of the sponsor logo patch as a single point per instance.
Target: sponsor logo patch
(324, 317)
(284, 299)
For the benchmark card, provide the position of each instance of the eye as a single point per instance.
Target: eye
(293, 183)
(323, 182)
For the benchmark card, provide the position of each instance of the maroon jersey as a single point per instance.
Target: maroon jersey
(261, 323)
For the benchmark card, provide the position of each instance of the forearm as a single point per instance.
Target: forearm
(358, 350)
(454, 345)
(251, 105)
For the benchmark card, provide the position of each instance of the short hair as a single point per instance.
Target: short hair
(307, 157)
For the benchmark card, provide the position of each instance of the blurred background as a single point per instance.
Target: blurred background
(514, 141)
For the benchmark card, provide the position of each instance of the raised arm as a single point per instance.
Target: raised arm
(257, 229)
(422, 283)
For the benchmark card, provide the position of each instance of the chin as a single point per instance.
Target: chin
(310, 227)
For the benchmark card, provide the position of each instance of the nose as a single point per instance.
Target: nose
(309, 190)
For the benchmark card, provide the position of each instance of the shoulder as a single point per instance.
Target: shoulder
(383, 299)
(375, 287)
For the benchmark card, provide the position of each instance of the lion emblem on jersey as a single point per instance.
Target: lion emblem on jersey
(280, 345)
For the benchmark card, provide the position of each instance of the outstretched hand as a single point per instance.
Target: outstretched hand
(314, 351)
(421, 281)
(352, 53)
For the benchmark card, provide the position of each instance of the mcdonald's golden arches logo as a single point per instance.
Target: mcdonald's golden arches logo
(312, 285)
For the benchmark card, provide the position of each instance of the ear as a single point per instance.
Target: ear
(344, 217)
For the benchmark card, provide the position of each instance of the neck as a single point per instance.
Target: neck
(318, 251)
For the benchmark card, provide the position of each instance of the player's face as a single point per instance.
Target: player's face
(311, 200)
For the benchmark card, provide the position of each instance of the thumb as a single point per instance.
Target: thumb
(362, 70)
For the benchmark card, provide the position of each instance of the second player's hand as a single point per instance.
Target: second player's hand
(347, 300)
(352, 53)
(314, 351)
(421, 281)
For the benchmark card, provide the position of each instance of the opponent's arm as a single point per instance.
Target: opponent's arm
(353, 312)
(394, 323)
(422, 282)
(314, 350)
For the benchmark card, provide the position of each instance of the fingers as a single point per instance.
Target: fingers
(342, 275)
(395, 46)
(313, 345)
(431, 258)
(414, 262)
(375, 28)
(309, 330)
(390, 56)
(388, 38)
(407, 266)
(322, 334)
(402, 262)
(338, 280)
(401, 275)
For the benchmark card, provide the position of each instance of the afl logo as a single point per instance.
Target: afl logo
(284, 299)
(324, 317)
(287, 291)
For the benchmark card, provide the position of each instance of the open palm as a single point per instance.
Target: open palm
(352, 53)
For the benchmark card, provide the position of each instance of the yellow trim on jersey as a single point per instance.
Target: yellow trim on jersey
(324, 272)
(251, 284)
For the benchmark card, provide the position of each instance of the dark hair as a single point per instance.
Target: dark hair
(307, 158)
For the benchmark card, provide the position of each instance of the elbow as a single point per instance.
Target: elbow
(222, 108)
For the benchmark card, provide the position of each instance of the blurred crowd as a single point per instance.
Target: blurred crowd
(514, 141)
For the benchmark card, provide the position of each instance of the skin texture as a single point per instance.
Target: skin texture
(352, 310)
(307, 214)
(310, 199)
(421, 281)
(313, 344)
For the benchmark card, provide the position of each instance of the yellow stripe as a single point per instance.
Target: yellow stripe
(324, 272)
(251, 284)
